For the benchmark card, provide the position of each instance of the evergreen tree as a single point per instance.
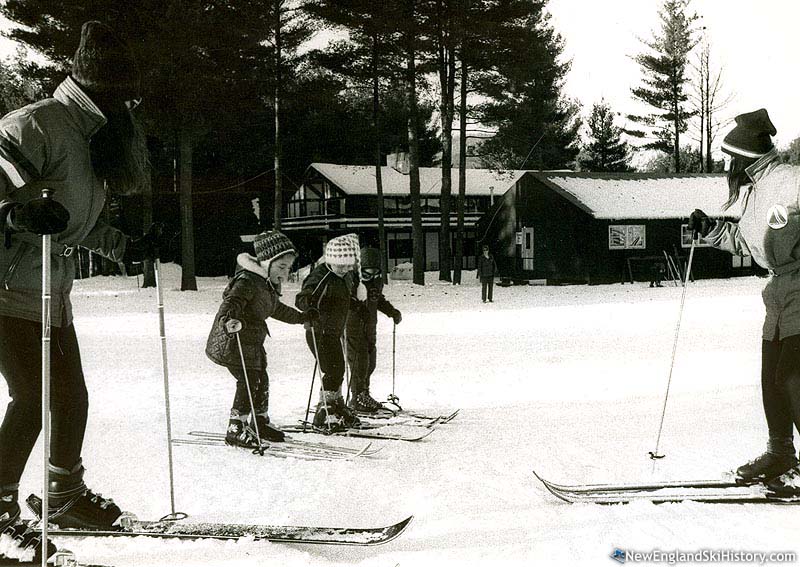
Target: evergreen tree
(665, 77)
(606, 151)
(522, 79)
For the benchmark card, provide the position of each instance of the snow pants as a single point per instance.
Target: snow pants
(331, 358)
(780, 385)
(362, 357)
(259, 389)
(20, 364)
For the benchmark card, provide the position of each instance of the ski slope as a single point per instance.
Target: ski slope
(568, 380)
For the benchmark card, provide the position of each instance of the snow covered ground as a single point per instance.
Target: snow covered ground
(567, 380)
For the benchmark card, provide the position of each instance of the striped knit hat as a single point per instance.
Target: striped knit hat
(751, 136)
(271, 245)
(342, 250)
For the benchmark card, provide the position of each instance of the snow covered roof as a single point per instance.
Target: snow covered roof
(360, 179)
(642, 195)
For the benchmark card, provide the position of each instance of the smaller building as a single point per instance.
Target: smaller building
(337, 199)
(565, 227)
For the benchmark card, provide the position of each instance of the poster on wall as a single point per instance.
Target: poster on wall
(626, 237)
(686, 238)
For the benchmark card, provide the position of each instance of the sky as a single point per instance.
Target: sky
(755, 42)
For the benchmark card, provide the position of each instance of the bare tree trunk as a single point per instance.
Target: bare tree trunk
(149, 279)
(447, 85)
(188, 281)
(278, 141)
(417, 234)
(462, 152)
(376, 129)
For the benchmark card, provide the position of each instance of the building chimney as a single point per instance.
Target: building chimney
(398, 161)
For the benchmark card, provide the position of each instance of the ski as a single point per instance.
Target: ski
(220, 531)
(389, 413)
(368, 432)
(718, 492)
(275, 450)
(310, 446)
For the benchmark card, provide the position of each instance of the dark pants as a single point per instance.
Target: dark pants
(259, 388)
(780, 385)
(20, 364)
(486, 288)
(362, 357)
(331, 359)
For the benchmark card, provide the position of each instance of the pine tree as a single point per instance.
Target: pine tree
(606, 151)
(665, 78)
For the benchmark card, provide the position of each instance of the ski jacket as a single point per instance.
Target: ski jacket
(251, 298)
(769, 231)
(487, 267)
(330, 294)
(46, 145)
(362, 320)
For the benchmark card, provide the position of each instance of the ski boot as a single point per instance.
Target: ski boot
(348, 416)
(765, 467)
(17, 540)
(786, 485)
(238, 434)
(363, 402)
(268, 432)
(327, 416)
(72, 505)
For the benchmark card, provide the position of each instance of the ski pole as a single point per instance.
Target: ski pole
(343, 342)
(46, 289)
(321, 376)
(165, 370)
(235, 329)
(310, 393)
(393, 399)
(654, 454)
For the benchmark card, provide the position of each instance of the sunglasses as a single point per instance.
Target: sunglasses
(369, 274)
(133, 103)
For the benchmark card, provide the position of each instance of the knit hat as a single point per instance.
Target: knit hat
(751, 135)
(271, 245)
(370, 259)
(104, 64)
(342, 250)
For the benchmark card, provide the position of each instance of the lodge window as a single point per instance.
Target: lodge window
(626, 237)
(686, 238)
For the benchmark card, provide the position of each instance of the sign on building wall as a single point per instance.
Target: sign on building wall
(686, 238)
(626, 237)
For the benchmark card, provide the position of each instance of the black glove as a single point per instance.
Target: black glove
(155, 243)
(700, 223)
(312, 315)
(397, 317)
(39, 216)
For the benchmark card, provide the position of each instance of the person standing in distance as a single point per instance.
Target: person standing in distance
(487, 270)
(769, 231)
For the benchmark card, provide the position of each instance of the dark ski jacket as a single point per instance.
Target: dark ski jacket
(487, 267)
(251, 298)
(330, 294)
(363, 317)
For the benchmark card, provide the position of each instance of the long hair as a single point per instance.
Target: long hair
(119, 150)
(737, 178)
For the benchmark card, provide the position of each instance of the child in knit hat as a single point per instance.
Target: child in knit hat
(330, 288)
(252, 296)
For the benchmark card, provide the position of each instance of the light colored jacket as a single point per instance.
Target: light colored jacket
(46, 145)
(769, 231)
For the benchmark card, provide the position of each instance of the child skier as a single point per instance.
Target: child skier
(253, 295)
(362, 322)
(330, 288)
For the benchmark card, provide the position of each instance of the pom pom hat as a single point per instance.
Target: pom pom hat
(270, 246)
(750, 137)
(342, 251)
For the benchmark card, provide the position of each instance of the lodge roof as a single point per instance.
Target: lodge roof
(642, 195)
(360, 180)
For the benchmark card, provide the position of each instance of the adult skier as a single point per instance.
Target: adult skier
(362, 322)
(769, 231)
(73, 143)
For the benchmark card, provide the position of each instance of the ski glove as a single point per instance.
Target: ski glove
(233, 326)
(397, 317)
(39, 216)
(155, 243)
(312, 316)
(700, 223)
